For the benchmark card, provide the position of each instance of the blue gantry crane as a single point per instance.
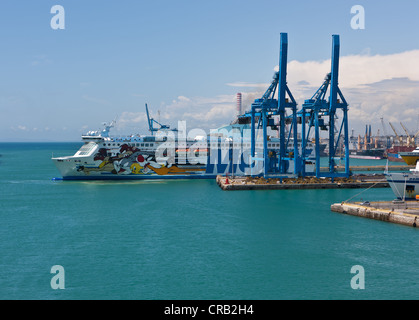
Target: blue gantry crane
(262, 115)
(321, 114)
(318, 113)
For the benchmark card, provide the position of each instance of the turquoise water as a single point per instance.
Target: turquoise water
(188, 239)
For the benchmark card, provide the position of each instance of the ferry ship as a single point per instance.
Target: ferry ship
(405, 185)
(411, 158)
(167, 155)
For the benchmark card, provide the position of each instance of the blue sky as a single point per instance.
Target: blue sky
(188, 59)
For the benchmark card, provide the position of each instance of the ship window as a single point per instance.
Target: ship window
(146, 144)
(410, 188)
(86, 149)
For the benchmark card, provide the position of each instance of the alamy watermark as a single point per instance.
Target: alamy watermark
(358, 280)
(358, 20)
(58, 20)
(58, 280)
(225, 147)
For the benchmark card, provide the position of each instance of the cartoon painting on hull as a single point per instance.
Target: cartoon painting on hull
(132, 160)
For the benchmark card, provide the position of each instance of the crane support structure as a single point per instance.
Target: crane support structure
(263, 110)
(317, 109)
(292, 160)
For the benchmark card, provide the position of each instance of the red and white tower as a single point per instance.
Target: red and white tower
(239, 104)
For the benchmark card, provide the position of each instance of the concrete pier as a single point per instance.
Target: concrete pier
(400, 212)
(250, 183)
(379, 168)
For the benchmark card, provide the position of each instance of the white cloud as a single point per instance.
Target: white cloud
(375, 86)
(203, 112)
(132, 117)
(199, 112)
(357, 70)
(182, 98)
(394, 100)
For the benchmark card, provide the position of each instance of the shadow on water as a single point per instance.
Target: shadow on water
(111, 182)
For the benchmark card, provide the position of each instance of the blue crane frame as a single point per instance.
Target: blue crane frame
(265, 108)
(313, 112)
(317, 108)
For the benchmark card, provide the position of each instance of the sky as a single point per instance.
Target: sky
(188, 59)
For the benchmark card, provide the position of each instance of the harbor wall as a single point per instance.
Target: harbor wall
(405, 213)
(248, 183)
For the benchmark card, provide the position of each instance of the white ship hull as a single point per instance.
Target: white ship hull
(165, 156)
(137, 159)
(405, 185)
(128, 160)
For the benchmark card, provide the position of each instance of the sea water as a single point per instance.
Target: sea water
(189, 239)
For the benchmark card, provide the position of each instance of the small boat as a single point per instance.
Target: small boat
(405, 185)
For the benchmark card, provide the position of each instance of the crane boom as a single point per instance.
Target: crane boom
(411, 141)
(395, 132)
(405, 130)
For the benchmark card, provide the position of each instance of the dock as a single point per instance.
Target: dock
(379, 168)
(397, 211)
(374, 178)
(260, 183)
